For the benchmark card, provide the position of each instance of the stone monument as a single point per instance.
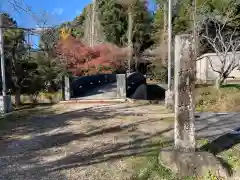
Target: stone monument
(184, 84)
(66, 91)
(183, 159)
(121, 86)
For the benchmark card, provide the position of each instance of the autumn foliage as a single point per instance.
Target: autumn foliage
(81, 59)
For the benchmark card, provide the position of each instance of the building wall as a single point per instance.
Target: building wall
(205, 72)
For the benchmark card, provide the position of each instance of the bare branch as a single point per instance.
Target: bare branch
(211, 64)
(222, 42)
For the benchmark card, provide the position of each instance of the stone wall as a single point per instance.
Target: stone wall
(206, 74)
(42, 98)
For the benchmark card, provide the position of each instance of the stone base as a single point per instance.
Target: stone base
(169, 101)
(192, 163)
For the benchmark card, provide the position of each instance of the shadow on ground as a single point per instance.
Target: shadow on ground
(46, 146)
(223, 135)
(155, 92)
(25, 145)
(222, 143)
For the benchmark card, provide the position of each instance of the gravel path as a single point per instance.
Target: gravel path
(92, 142)
(80, 142)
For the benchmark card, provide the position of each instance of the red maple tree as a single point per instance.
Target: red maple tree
(81, 59)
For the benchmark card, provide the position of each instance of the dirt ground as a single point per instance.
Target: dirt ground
(81, 142)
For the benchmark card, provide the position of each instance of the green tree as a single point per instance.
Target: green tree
(77, 25)
(113, 18)
(142, 25)
(14, 50)
(182, 20)
(158, 21)
(49, 39)
(183, 11)
(49, 69)
(21, 70)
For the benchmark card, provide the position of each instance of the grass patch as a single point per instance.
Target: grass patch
(151, 169)
(232, 157)
(147, 167)
(202, 142)
(226, 99)
(237, 86)
(229, 155)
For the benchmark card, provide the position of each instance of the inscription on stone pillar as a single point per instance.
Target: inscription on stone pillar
(184, 93)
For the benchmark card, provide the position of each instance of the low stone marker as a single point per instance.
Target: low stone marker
(66, 88)
(182, 159)
(121, 86)
(169, 99)
(7, 106)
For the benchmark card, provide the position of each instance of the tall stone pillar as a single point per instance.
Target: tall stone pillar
(183, 160)
(184, 93)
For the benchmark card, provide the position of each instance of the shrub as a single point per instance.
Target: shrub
(78, 57)
(158, 73)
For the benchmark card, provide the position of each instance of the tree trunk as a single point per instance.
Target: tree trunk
(222, 81)
(18, 97)
(93, 23)
(165, 19)
(17, 92)
(165, 34)
(219, 81)
(130, 29)
(217, 84)
(34, 98)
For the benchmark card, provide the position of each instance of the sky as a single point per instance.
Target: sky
(53, 12)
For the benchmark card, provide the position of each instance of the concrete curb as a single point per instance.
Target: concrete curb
(110, 101)
(93, 101)
(144, 101)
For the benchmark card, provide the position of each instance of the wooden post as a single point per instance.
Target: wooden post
(121, 86)
(184, 139)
